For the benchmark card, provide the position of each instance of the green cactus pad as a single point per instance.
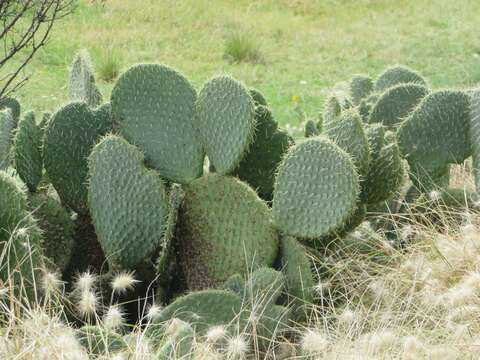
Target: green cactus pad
(347, 132)
(376, 138)
(360, 87)
(385, 174)
(235, 284)
(298, 273)
(326, 195)
(99, 341)
(226, 120)
(127, 202)
(202, 309)
(178, 343)
(82, 81)
(474, 136)
(331, 112)
(18, 232)
(437, 132)
(7, 126)
(45, 119)
(396, 103)
(398, 75)
(57, 227)
(259, 165)
(258, 97)
(13, 105)
(224, 228)
(311, 129)
(68, 140)
(272, 324)
(27, 151)
(265, 285)
(154, 106)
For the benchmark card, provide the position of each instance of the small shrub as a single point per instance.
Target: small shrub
(109, 67)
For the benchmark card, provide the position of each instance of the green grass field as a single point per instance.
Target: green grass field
(300, 48)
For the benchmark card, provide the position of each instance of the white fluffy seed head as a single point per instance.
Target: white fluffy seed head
(237, 347)
(153, 311)
(314, 342)
(216, 333)
(413, 348)
(51, 282)
(435, 195)
(322, 287)
(88, 303)
(85, 281)
(123, 282)
(348, 317)
(114, 317)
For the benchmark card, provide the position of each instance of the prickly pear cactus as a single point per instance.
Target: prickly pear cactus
(385, 174)
(13, 105)
(258, 97)
(223, 226)
(128, 203)
(360, 88)
(475, 136)
(45, 119)
(7, 126)
(396, 103)
(265, 285)
(202, 309)
(100, 341)
(426, 180)
(82, 81)
(258, 167)
(347, 132)
(226, 120)
(57, 227)
(68, 140)
(298, 274)
(27, 151)
(437, 132)
(326, 195)
(311, 129)
(20, 238)
(154, 106)
(398, 74)
(331, 112)
(179, 341)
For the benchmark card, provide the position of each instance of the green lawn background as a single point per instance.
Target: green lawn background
(306, 46)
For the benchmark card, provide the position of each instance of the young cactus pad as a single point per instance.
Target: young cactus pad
(226, 120)
(7, 125)
(154, 106)
(396, 103)
(82, 81)
(437, 132)
(224, 228)
(13, 105)
(27, 151)
(68, 140)
(360, 87)
(316, 189)
(127, 202)
(398, 74)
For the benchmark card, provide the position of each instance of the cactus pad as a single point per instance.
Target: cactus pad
(258, 97)
(68, 140)
(226, 120)
(396, 103)
(316, 189)
(360, 87)
(347, 132)
(224, 228)
(13, 105)
(127, 202)
(155, 108)
(311, 129)
(27, 151)
(82, 81)
(398, 75)
(475, 136)
(7, 125)
(258, 167)
(437, 132)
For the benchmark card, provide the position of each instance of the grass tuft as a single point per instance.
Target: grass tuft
(240, 47)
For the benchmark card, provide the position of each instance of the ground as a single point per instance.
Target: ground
(301, 48)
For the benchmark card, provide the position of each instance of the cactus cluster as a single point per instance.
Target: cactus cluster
(125, 186)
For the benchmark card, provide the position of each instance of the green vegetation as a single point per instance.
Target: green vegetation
(305, 49)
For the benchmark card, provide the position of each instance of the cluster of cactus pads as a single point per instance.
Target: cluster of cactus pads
(204, 197)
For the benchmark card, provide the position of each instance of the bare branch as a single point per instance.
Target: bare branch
(25, 27)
